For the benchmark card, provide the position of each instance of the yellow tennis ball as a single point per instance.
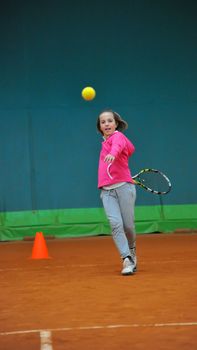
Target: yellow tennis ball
(88, 93)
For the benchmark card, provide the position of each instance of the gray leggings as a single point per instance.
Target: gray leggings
(119, 207)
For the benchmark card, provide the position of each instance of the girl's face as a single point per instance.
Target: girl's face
(107, 124)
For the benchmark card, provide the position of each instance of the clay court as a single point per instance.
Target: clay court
(78, 299)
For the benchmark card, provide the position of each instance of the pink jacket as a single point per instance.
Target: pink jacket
(121, 148)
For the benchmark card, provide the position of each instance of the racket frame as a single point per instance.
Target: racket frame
(150, 170)
(146, 170)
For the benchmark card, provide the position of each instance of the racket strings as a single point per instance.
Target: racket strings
(154, 181)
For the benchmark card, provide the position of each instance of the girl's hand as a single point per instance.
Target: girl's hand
(109, 158)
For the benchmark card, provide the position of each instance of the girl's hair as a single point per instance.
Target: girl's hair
(121, 124)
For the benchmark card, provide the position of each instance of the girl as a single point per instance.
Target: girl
(118, 192)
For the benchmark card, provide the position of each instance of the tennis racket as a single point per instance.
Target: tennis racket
(151, 180)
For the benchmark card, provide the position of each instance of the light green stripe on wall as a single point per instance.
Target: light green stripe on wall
(92, 221)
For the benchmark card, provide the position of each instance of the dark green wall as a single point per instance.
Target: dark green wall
(140, 56)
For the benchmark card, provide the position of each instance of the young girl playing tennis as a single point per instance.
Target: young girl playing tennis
(118, 192)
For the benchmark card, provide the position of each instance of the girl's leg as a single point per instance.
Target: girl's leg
(127, 196)
(112, 210)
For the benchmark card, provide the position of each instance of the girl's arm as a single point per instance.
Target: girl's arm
(118, 144)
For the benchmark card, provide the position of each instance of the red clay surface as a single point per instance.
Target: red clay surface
(81, 299)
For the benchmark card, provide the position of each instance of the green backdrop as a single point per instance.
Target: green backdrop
(140, 56)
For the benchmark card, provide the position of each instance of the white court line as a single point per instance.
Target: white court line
(46, 341)
(133, 325)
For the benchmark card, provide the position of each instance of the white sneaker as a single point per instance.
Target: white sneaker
(128, 267)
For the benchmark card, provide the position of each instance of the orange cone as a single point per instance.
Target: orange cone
(40, 250)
